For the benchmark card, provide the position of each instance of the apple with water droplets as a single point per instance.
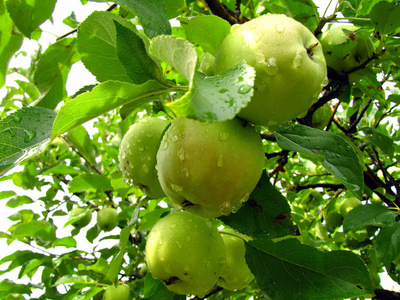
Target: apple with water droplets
(107, 218)
(289, 62)
(186, 252)
(119, 292)
(236, 274)
(209, 168)
(137, 155)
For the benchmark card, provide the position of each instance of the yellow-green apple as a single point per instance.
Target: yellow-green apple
(107, 218)
(119, 292)
(236, 274)
(83, 217)
(289, 62)
(186, 252)
(137, 155)
(346, 49)
(209, 168)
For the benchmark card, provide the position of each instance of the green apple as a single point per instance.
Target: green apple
(119, 292)
(137, 155)
(207, 64)
(209, 168)
(348, 204)
(289, 62)
(107, 218)
(83, 220)
(236, 274)
(186, 252)
(345, 49)
(332, 216)
(322, 116)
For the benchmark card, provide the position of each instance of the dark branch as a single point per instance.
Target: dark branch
(381, 294)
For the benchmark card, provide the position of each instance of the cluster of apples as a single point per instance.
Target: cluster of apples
(208, 169)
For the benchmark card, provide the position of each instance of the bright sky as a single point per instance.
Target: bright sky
(77, 78)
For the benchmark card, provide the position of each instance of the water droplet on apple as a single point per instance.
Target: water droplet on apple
(165, 145)
(236, 207)
(298, 59)
(181, 153)
(160, 241)
(325, 82)
(175, 138)
(270, 66)
(16, 118)
(223, 90)
(220, 161)
(260, 58)
(253, 25)
(257, 37)
(172, 226)
(188, 238)
(186, 172)
(234, 27)
(223, 136)
(279, 27)
(152, 235)
(177, 188)
(225, 208)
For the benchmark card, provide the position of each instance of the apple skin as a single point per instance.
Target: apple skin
(186, 252)
(345, 50)
(107, 218)
(289, 62)
(209, 169)
(84, 221)
(137, 155)
(119, 292)
(348, 204)
(236, 274)
(322, 116)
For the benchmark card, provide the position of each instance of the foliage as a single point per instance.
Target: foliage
(300, 246)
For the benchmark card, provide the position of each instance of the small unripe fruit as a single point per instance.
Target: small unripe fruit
(107, 218)
(82, 222)
(119, 292)
(236, 274)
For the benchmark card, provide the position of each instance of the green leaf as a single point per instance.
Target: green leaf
(116, 264)
(132, 53)
(387, 244)
(155, 289)
(337, 155)
(52, 71)
(6, 194)
(24, 134)
(174, 7)
(10, 41)
(384, 142)
(79, 138)
(217, 98)
(152, 16)
(18, 201)
(386, 17)
(90, 182)
(177, 52)
(291, 270)
(265, 215)
(29, 14)
(103, 98)
(80, 279)
(41, 229)
(368, 215)
(97, 45)
(7, 287)
(66, 241)
(207, 31)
